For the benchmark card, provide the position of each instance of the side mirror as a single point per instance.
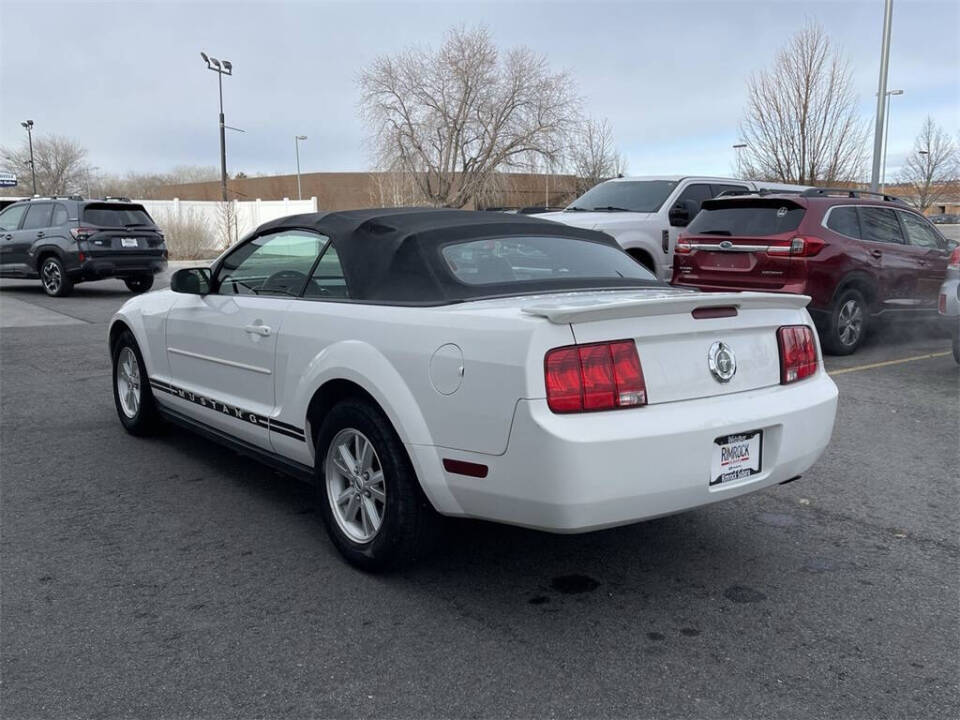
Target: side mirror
(191, 281)
(682, 213)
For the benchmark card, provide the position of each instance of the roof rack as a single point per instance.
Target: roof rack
(55, 197)
(848, 192)
(116, 198)
(761, 192)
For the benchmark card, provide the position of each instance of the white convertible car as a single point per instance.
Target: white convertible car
(415, 362)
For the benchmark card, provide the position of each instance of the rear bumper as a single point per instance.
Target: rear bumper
(94, 268)
(575, 473)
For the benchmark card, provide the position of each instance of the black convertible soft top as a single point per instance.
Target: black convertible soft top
(392, 255)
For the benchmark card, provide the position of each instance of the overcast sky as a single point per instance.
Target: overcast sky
(126, 79)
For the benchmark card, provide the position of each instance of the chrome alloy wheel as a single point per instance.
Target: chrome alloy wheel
(355, 485)
(50, 277)
(128, 382)
(850, 322)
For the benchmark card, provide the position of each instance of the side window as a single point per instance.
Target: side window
(919, 233)
(698, 192)
(880, 225)
(327, 280)
(59, 215)
(10, 218)
(277, 264)
(844, 220)
(717, 189)
(38, 216)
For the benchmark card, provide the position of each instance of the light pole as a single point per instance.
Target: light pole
(221, 67)
(739, 147)
(886, 134)
(296, 142)
(28, 126)
(881, 93)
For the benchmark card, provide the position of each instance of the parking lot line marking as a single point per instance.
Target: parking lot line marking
(871, 366)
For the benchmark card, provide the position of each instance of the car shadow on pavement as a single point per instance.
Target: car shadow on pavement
(79, 291)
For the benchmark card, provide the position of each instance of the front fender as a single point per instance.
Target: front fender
(144, 316)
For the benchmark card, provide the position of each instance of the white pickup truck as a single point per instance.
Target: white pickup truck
(646, 214)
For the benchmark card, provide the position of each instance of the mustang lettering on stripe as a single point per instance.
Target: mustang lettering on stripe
(210, 403)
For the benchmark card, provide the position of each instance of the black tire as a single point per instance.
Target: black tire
(139, 284)
(146, 420)
(53, 277)
(956, 341)
(409, 523)
(846, 327)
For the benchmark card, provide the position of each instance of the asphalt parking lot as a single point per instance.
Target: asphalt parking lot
(173, 578)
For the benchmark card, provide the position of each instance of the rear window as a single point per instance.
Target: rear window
(513, 260)
(116, 215)
(746, 220)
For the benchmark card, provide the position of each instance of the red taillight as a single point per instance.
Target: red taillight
(796, 247)
(82, 233)
(798, 353)
(942, 304)
(682, 247)
(599, 376)
(954, 261)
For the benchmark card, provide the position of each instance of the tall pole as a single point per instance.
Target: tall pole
(223, 144)
(28, 125)
(881, 95)
(296, 142)
(886, 134)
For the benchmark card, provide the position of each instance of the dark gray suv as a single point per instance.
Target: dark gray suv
(66, 240)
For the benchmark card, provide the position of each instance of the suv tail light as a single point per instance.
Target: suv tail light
(82, 233)
(954, 261)
(942, 304)
(798, 353)
(682, 247)
(599, 376)
(797, 247)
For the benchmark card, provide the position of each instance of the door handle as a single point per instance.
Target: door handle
(8, 236)
(40, 234)
(876, 253)
(261, 330)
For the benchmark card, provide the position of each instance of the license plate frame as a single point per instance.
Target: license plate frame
(129, 242)
(736, 457)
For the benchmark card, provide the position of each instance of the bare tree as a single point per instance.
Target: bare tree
(452, 117)
(60, 164)
(932, 167)
(593, 154)
(146, 185)
(801, 123)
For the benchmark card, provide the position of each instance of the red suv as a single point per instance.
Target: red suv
(858, 255)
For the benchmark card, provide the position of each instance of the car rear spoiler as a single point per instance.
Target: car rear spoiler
(622, 305)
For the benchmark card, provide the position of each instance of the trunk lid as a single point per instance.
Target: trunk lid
(675, 331)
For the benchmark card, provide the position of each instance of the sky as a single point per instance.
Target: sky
(127, 82)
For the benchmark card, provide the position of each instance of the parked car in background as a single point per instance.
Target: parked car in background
(646, 214)
(858, 255)
(554, 383)
(66, 240)
(949, 301)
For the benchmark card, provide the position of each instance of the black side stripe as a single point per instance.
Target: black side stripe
(215, 405)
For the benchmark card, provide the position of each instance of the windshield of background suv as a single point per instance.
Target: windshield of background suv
(631, 195)
(116, 215)
(518, 259)
(746, 219)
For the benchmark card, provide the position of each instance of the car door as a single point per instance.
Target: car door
(10, 220)
(221, 347)
(932, 255)
(898, 264)
(34, 227)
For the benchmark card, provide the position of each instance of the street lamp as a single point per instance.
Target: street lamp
(28, 126)
(886, 134)
(221, 67)
(296, 142)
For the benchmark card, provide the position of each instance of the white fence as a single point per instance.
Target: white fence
(199, 228)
